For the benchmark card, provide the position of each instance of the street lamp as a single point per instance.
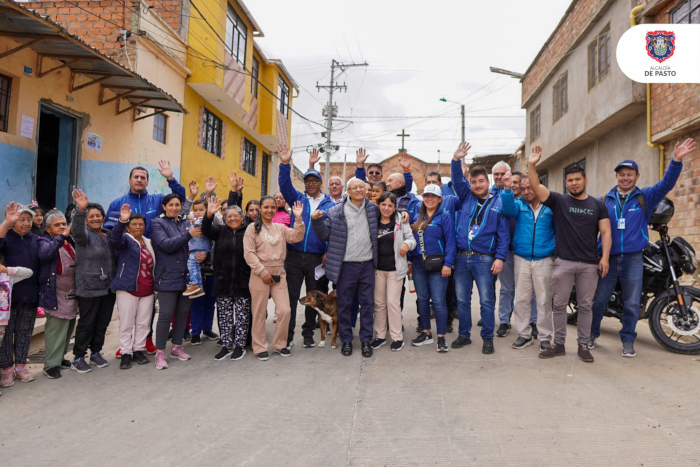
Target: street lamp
(461, 105)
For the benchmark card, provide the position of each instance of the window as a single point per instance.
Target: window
(160, 124)
(544, 179)
(535, 124)
(265, 171)
(249, 156)
(599, 57)
(236, 35)
(211, 137)
(687, 12)
(254, 73)
(5, 92)
(581, 163)
(283, 94)
(560, 97)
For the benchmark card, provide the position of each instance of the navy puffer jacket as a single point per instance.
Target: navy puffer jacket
(169, 238)
(333, 228)
(128, 252)
(49, 256)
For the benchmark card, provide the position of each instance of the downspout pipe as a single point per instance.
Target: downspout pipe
(662, 161)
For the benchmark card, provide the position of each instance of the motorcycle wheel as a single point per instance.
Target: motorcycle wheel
(671, 332)
(572, 311)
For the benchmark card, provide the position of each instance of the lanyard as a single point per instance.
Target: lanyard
(479, 211)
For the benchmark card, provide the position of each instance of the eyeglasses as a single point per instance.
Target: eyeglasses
(499, 174)
(312, 181)
(374, 172)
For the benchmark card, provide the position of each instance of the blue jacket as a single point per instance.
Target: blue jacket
(333, 228)
(534, 238)
(169, 240)
(635, 236)
(447, 190)
(311, 242)
(128, 253)
(408, 176)
(24, 252)
(439, 238)
(49, 256)
(493, 236)
(148, 205)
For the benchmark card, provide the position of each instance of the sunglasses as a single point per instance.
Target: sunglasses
(374, 172)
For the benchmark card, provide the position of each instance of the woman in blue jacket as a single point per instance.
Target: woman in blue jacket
(435, 235)
(170, 234)
(134, 285)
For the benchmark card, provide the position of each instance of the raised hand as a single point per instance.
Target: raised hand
(213, 206)
(165, 169)
(81, 200)
(210, 185)
(194, 188)
(536, 155)
(241, 184)
(508, 180)
(361, 157)
(462, 151)
(125, 213)
(682, 150)
(284, 154)
(298, 210)
(317, 214)
(66, 233)
(404, 160)
(11, 214)
(233, 180)
(314, 157)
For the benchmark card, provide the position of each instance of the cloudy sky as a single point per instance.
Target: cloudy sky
(417, 53)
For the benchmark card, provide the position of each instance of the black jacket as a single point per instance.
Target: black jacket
(231, 272)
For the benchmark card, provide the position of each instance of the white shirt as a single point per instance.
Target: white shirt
(314, 202)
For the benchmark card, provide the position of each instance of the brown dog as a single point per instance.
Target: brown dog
(327, 307)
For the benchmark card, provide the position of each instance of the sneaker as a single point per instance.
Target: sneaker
(125, 364)
(80, 365)
(544, 345)
(196, 340)
(119, 353)
(98, 360)
(284, 351)
(556, 350)
(161, 364)
(187, 336)
(65, 364)
(584, 354)
(522, 342)
(211, 335)
(423, 339)
(140, 358)
(40, 313)
(419, 329)
(8, 377)
(308, 342)
(449, 329)
(461, 342)
(291, 344)
(53, 373)
(503, 330)
(177, 352)
(23, 374)
(534, 331)
(396, 346)
(376, 343)
(591, 342)
(238, 353)
(487, 346)
(150, 348)
(628, 350)
(223, 353)
(220, 343)
(263, 356)
(442, 345)
(191, 290)
(199, 293)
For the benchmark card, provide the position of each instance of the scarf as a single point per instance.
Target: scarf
(399, 192)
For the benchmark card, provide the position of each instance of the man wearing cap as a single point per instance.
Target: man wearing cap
(374, 171)
(630, 209)
(303, 257)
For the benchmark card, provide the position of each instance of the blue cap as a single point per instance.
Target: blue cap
(627, 163)
(313, 173)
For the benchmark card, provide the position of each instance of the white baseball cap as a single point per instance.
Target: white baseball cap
(432, 190)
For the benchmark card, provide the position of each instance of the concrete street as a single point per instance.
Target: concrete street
(414, 407)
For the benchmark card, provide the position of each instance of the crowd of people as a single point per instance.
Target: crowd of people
(197, 255)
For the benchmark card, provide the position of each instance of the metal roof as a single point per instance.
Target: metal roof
(52, 41)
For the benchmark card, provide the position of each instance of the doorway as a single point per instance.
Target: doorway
(57, 158)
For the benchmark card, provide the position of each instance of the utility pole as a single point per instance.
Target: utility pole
(403, 135)
(462, 122)
(329, 111)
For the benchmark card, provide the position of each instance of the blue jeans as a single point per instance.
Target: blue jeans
(470, 269)
(506, 298)
(202, 309)
(194, 268)
(430, 285)
(628, 269)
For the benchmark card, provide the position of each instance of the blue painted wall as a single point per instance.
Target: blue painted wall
(16, 175)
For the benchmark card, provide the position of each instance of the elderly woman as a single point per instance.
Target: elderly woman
(57, 291)
(170, 235)
(231, 278)
(134, 285)
(94, 270)
(20, 248)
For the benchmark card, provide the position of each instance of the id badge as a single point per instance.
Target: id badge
(473, 232)
(621, 224)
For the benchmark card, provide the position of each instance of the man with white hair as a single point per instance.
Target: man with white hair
(335, 189)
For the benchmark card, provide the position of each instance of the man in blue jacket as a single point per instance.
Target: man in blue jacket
(533, 245)
(303, 257)
(375, 172)
(483, 235)
(138, 198)
(630, 209)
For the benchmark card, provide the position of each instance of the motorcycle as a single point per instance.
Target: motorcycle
(673, 311)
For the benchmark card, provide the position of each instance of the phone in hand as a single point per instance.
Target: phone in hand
(276, 278)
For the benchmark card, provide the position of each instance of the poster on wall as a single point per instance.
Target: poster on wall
(27, 129)
(94, 141)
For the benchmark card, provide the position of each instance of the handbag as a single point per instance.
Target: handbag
(431, 263)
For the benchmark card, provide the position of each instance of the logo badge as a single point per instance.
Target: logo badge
(661, 45)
